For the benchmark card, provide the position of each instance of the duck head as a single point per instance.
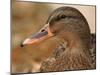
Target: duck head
(66, 23)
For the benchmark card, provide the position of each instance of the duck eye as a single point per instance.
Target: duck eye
(63, 16)
(42, 30)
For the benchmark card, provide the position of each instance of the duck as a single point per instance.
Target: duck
(69, 25)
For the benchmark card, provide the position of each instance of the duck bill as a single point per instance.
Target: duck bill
(43, 34)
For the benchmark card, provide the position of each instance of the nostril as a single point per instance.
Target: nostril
(42, 30)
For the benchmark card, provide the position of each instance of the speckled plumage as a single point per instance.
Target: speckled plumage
(48, 63)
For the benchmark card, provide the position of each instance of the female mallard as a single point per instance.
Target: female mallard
(68, 24)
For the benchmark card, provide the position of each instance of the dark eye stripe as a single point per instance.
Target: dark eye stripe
(60, 17)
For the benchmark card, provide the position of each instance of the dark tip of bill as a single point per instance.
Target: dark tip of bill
(21, 45)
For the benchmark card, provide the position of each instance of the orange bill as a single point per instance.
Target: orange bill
(43, 34)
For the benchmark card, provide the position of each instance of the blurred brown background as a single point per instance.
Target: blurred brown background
(27, 19)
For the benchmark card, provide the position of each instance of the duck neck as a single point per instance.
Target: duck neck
(75, 43)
